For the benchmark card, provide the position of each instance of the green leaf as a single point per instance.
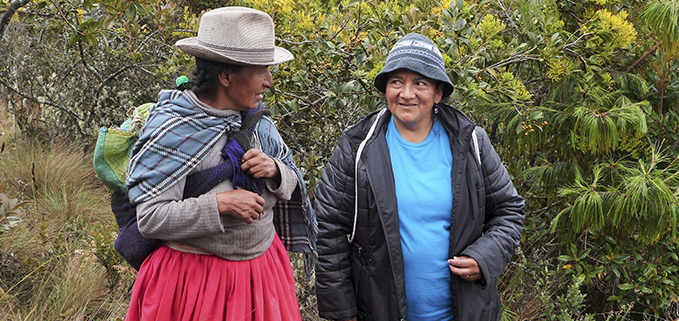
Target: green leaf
(294, 105)
(347, 86)
(674, 256)
(130, 11)
(625, 287)
(460, 23)
(595, 272)
(566, 258)
(620, 259)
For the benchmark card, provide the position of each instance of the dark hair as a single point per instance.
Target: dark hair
(205, 73)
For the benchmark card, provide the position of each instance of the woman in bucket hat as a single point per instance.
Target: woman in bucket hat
(211, 177)
(430, 211)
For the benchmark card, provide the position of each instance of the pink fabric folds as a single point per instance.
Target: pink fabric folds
(174, 285)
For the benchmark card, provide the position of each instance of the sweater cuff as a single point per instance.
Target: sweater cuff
(288, 182)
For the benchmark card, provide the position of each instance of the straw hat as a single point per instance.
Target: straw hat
(236, 35)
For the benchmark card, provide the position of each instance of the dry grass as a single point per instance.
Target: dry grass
(48, 269)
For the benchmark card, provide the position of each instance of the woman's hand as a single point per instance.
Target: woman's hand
(241, 204)
(259, 165)
(465, 267)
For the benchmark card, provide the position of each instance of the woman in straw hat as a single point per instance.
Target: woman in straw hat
(211, 177)
(431, 212)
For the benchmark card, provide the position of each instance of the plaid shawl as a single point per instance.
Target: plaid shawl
(176, 137)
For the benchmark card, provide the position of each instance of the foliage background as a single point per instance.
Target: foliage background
(580, 99)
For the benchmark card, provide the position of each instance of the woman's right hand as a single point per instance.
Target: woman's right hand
(352, 319)
(240, 204)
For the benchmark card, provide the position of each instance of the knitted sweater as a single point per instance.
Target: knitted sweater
(197, 222)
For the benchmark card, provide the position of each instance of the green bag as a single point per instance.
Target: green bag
(114, 148)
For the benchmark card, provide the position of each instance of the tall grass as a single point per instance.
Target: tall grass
(48, 266)
(58, 263)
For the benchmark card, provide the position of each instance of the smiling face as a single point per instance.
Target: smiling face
(246, 87)
(411, 97)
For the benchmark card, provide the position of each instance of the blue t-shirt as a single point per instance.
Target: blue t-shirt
(425, 202)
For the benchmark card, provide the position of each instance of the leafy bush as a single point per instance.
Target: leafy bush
(579, 99)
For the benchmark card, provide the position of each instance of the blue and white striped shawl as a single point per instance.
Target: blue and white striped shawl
(176, 137)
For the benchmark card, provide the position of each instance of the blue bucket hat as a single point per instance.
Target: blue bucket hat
(417, 53)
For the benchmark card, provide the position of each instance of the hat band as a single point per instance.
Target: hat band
(260, 54)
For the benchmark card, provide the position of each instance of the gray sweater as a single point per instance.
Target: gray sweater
(197, 222)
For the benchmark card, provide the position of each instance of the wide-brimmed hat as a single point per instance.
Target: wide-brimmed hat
(417, 53)
(236, 35)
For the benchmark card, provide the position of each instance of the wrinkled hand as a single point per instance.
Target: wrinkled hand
(241, 204)
(259, 165)
(465, 267)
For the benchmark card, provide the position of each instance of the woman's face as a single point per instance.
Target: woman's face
(411, 97)
(246, 87)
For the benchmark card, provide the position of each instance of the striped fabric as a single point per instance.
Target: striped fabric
(176, 137)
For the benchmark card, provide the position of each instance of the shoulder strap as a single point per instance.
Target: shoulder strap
(358, 157)
(249, 121)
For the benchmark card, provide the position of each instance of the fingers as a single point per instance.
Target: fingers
(465, 267)
(258, 164)
(240, 204)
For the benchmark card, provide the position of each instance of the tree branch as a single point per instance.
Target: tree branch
(583, 63)
(516, 58)
(41, 101)
(48, 103)
(13, 7)
(648, 53)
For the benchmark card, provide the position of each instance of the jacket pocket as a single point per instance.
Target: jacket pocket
(360, 277)
(477, 302)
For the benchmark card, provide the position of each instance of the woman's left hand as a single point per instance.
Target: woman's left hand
(465, 267)
(259, 165)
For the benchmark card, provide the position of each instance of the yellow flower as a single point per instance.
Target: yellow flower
(506, 76)
(490, 26)
(259, 4)
(285, 6)
(622, 33)
(558, 68)
(376, 70)
(520, 89)
(496, 43)
(445, 4)
(304, 21)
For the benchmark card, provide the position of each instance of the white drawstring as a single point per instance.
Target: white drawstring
(358, 156)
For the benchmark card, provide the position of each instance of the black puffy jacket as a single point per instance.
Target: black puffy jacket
(365, 278)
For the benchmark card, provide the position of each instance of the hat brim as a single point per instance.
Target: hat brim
(380, 81)
(192, 47)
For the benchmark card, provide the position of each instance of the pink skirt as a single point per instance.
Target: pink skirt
(175, 285)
